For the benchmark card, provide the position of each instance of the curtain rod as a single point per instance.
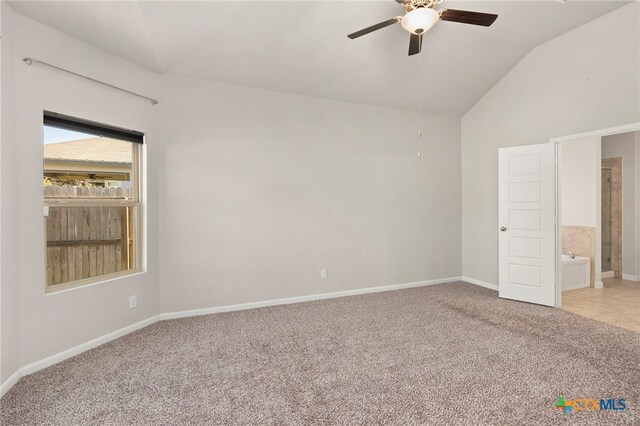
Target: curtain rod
(30, 61)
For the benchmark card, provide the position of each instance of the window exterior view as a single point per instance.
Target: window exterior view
(91, 198)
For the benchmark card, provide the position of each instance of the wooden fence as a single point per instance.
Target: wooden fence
(87, 241)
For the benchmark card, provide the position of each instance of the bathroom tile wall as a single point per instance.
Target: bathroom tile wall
(581, 240)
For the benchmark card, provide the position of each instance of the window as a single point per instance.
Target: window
(91, 185)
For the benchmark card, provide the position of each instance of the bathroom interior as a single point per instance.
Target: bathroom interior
(599, 180)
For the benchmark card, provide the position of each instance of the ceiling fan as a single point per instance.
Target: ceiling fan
(420, 16)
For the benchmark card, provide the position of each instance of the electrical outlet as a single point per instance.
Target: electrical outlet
(323, 274)
(133, 301)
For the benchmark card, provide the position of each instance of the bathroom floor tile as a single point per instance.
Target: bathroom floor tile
(618, 303)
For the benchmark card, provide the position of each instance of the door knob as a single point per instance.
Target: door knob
(503, 228)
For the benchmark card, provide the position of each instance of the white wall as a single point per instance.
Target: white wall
(260, 190)
(9, 291)
(624, 145)
(586, 79)
(48, 324)
(578, 168)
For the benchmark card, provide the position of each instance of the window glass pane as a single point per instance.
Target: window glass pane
(89, 241)
(86, 239)
(79, 165)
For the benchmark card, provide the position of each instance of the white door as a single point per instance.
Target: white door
(527, 223)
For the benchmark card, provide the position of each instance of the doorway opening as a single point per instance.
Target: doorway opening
(598, 226)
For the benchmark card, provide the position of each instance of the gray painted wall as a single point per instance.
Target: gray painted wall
(9, 296)
(586, 79)
(578, 169)
(260, 190)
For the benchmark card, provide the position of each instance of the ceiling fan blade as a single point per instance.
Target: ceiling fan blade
(373, 28)
(466, 17)
(415, 44)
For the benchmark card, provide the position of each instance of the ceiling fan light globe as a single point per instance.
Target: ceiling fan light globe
(419, 20)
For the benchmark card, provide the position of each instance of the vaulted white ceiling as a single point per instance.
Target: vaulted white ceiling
(301, 46)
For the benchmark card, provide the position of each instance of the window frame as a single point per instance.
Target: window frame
(135, 202)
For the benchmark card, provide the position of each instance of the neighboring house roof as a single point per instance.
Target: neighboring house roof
(98, 150)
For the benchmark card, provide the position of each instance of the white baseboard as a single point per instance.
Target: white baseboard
(299, 299)
(480, 283)
(10, 382)
(608, 274)
(76, 350)
(631, 277)
(576, 287)
(598, 284)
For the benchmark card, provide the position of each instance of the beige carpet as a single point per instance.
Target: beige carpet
(445, 354)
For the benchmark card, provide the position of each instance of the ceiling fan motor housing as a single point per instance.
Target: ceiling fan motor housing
(416, 4)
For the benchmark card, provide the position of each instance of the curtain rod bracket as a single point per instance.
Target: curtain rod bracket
(31, 61)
